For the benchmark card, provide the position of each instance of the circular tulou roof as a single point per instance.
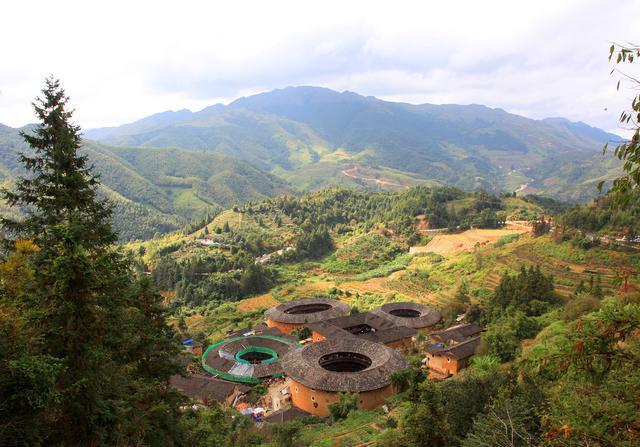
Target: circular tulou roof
(303, 365)
(228, 358)
(409, 314)
(308, 310)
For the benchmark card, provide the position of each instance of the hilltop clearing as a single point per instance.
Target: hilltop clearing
(446, 244)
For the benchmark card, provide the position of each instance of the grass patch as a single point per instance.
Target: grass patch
(504, 240)
(356, 429)
(367, 253)
(399, 263)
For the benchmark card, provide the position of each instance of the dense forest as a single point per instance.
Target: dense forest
(603, 216)
(85, 350)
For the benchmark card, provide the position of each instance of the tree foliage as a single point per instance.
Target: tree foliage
(347, 402)
(99, 350)
(629, 151)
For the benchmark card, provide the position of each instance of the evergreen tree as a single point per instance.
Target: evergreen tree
(92, 320)
(61, 188)
(424, 422)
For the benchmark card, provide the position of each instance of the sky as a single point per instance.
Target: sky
(123, 60)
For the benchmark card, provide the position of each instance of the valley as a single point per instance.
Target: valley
(320, 224)
(376, 262)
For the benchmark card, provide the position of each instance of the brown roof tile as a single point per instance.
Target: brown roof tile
(457, 333)
(286, 414)
(366, 325)
(458, 351)
(207, 389)
(303, 365)
(327, 308)
(425, 316)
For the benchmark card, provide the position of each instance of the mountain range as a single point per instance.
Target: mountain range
(166, 169)
(316, 137)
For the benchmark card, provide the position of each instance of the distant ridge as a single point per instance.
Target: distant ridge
(311, 135)
(158, 190)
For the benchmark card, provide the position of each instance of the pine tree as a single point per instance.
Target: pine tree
(90, 315)
(61, 188)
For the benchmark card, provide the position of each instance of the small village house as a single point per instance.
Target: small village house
(208, 390)
(450, 350)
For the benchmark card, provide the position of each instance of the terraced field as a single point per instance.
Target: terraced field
(433, 278)
(264, 301)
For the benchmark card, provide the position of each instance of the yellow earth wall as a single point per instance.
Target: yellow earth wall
(285, 328)
(444, 365)
(317, 402)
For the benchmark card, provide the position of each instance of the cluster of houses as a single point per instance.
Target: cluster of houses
(212, 240)
(269, 257)
(344, 352)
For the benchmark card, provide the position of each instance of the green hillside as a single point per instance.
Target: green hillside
(537, 297)
(370, 231)
(311, 136)
(173, 168)
(159, 190)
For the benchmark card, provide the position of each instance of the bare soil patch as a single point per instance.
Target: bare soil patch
(446, 244)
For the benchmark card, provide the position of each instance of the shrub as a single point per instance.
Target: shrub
(485, 363)
(579, 306)
(506, 239)
(347, 402)
(367, 253)
(390, 438)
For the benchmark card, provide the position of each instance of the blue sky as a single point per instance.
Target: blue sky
(121, 60)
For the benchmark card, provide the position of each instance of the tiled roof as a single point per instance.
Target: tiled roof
(366, 325)
(427, 316)
(222, 356)
(202, 387)
(458, 351)
(286, 414)
(457, 333)
(303, 365)
(283, 312)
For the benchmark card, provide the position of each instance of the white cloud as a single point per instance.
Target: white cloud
(123, 60)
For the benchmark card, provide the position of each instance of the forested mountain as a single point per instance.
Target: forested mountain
(173, 167)
(316, 137)
(159, 190)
